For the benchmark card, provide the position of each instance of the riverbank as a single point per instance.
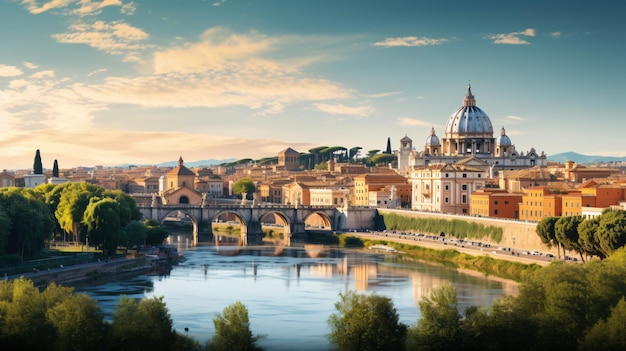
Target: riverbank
(65, 275)
(486, 261)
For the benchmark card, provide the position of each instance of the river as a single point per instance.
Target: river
(289, 292)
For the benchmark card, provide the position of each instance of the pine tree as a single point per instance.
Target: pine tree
(55, 169)
(37, 167)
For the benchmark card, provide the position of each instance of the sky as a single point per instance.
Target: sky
(148, 81)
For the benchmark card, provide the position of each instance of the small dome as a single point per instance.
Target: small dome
(469, 119)
(503, 139)
(432, 139)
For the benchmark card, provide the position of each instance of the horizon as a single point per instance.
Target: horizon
(108, 83)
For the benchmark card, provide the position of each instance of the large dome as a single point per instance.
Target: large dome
(469, 120)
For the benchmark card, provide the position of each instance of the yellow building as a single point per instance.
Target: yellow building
(180, 183)
(366, 183)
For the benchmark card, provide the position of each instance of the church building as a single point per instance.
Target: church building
(468, 133)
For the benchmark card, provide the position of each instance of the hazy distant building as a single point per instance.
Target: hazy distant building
(468, 132)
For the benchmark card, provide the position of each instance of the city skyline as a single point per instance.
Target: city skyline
(120, 82)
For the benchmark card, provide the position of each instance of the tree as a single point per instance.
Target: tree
(232, 330)
(609, 334)
(588, 238)
(244, 185)
(383, 159)
(143, 325)
(155, 234)
(30, 222)
(37, 166)
(79, 323)
(55, 169)
(366, 322)
(566, 230)
(612, 231)
(134, 234)
(353, 152)
(545, 231)
(438, 328)
(102, 219)
(388, 150)
(72, 205)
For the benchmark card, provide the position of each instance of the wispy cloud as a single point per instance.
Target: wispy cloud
(76, 7)
(410, 41)
(411, 122)
(42, 74)
(381, 95)
(514, 119)
(556, 35)
(10, 71)
(92, 73)
(116, 38)
(513, 38)
(340, 109)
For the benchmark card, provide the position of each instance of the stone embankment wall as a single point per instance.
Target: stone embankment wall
(62, 275)
(515, 234)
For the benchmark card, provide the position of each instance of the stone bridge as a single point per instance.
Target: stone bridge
(249, 216)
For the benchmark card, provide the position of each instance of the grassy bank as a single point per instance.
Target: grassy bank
(449, 257)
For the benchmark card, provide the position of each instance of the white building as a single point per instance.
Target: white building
(446, 188)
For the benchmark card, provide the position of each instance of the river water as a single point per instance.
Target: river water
(289, 292)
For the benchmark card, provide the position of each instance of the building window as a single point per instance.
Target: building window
(464, 187)
(495, 212)
(447, 187)
(447, 200)
(464, 175)
(464, 199)
(447, 175)
(495, 202)
(506, 202)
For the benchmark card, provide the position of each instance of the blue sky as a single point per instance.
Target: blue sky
(146, 81)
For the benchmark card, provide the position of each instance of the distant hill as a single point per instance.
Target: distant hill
(581, 159)
(195, 164)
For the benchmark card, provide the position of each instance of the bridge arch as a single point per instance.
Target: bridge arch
(317, 220)
(188, 214)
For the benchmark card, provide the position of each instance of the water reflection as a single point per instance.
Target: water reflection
(290, 292)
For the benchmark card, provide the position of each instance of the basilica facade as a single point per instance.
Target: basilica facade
(468, 134)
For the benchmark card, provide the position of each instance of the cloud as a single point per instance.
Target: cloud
(556, 35)
(92, 73)
(513, 38)
(382, 95)
(515, 118)
(82, 149)
(30, 65)
(115, 38)
(410, 122)
(410, 41)
(10, 71)
(42, 74)
(340, 109)
(81, 7)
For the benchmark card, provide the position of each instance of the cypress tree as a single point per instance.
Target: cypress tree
(388, 151)
(55, 169)
(37, 167)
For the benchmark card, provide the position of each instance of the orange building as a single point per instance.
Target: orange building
(540, 202)
(495, 203)
(365, 183)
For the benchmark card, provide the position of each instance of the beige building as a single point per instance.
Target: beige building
(179, 186)
(444, 187)
(329, 196)
(6, 179)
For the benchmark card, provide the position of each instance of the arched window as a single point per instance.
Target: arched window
(183, 200)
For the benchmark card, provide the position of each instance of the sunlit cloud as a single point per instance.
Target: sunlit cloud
(513, 38)
(30, 65)
(515, 118)
(42, 74)
(98, 71)
(411, 122)
(410, 41)
(154, 146)
(78, 7)
(10, 71)
(340, 109)
(115, 38)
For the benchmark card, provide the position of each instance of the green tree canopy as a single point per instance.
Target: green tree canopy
(438, 328)
(383, 159)
(102, 219)
(611, 231)
(244, 185)
(232, 330)
(566, 230)
(366, 322)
